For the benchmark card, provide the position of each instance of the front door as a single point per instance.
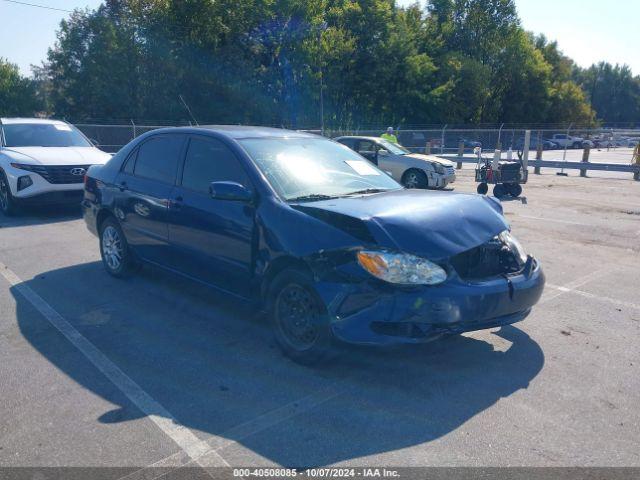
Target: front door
(212, 239)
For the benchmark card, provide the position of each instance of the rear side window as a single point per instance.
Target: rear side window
(158, 158)
(209, 160)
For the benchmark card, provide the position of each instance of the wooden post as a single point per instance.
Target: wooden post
(539, 149)
(585, 159)
(460, 154)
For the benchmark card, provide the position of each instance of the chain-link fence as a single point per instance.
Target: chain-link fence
(553, 144)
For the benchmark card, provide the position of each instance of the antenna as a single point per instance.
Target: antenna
(188, 110)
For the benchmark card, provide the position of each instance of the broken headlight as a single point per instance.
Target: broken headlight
(401, 268)
(514, 245)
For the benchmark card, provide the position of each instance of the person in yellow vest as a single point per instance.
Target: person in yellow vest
(389, 136)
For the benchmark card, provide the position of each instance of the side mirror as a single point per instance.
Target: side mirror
(382, 152)
(230, 191)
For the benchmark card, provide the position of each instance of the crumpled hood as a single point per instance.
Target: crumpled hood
(431, 158)
(57, 155)
(434, 225)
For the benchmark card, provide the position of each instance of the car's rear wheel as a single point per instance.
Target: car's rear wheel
(483, 188)
(415, 179)
(114, 250)
(299, 317)
(7, 203)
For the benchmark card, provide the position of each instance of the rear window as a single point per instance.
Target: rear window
(158, 158)
(43, 135)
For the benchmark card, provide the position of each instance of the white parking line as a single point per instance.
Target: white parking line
(554, 220)
(203, 453)
(602, 298)
(181, 435)
(574, 284)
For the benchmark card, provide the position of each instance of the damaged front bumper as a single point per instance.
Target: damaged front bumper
(384, 314)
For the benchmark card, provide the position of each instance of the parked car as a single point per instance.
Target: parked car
(43, 162)
(413, 170)
(563, 140)
(330, 246)
(533, 144)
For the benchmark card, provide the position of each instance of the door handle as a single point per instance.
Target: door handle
(122, 186)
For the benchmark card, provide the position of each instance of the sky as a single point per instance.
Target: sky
(586, 30)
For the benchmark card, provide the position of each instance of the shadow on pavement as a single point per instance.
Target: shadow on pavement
(41, 215)
(214, 366)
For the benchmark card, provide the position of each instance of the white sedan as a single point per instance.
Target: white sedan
(43, 162)
(412, 170)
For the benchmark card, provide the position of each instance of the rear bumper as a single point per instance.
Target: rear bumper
(383, 315)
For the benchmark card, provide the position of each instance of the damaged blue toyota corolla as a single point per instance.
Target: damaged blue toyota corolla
(328, 244)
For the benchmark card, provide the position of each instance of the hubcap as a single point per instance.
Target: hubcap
(112, 247)
(296, 314)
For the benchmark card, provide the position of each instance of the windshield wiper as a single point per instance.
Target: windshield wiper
(367, 190)
(311, 197)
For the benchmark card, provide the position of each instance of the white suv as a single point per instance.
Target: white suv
(43, 162)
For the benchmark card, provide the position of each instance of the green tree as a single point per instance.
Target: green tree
(17, 93)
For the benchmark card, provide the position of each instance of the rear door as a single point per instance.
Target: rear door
(212, 239)
(143, 190)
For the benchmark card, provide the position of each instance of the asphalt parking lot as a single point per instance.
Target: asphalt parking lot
(155, 370)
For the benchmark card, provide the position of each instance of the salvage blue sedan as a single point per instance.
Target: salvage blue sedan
(330, 246)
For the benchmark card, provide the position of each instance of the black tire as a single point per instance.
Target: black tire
(414, 178)
(482, 189)
(112, 244)
(499, 190)
(515, 189)
(299, 317)
(7, 203)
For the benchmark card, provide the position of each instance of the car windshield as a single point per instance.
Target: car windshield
(394, 147)
(43, 135)
(314, 169)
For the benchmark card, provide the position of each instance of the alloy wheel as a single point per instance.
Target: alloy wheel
(411, 180)
(112, 247)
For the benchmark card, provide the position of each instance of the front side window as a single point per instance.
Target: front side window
(43, 135)
(311, 168)
(209, 160)
(158, 158)
(394, 148)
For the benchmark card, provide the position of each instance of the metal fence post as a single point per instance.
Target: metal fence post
(539, 149)
(460, 154)
(134, 128)
(525, 151)
(585, 159)
(499, 142)
(442, 140)
(427, 148)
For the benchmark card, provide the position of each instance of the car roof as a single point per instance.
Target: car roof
(245, 131)
(358, 137)
(41, 121)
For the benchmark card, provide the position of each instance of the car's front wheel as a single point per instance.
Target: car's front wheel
(299, 317)
(415, 179)
(116, 256)
(7, 203)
